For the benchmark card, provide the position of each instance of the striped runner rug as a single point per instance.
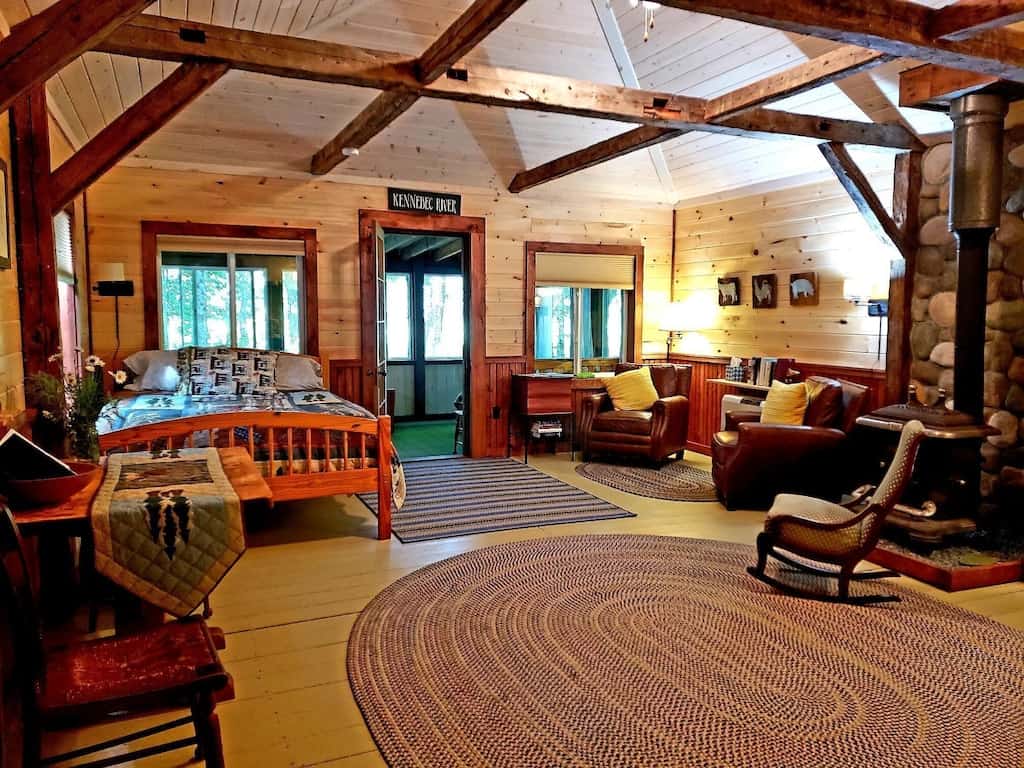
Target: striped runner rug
(459, 497)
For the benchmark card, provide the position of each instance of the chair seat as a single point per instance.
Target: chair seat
(789, 510)
(179, 657)
(627, 422)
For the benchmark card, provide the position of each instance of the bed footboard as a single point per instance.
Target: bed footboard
(301, 455)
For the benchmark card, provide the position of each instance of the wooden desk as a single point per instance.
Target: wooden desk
(536, 396)
(72, 517)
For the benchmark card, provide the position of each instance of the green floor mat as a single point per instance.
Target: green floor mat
(415, 439)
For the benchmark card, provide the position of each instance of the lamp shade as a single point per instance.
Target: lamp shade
(865, 288)
(108, 272)
(674, 318)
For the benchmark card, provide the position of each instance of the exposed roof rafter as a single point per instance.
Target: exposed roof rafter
(968, 18)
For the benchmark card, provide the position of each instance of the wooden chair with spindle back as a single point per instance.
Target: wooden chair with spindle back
(171, 666)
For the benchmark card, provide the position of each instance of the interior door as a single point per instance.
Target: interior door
(381, 373)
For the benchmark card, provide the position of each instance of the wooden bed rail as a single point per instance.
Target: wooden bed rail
(301, 455)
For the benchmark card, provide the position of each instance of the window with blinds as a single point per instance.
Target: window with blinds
(581, 310)
(67, 291)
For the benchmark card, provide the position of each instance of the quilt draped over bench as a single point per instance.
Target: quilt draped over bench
(167, 526)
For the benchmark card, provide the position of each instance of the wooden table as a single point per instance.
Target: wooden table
(56, 525)
(72, 517)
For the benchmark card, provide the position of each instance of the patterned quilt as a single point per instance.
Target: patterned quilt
(152, 408)
(167, 526)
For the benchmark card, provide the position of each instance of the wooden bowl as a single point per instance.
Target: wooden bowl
(53, 490)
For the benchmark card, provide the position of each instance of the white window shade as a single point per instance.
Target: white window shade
(64, 254)
(185, 244)
(585, 270)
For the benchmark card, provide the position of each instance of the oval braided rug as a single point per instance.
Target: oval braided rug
(656, 651)
(677, 481)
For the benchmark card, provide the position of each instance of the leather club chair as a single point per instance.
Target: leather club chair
(653, 435)
(753, 462)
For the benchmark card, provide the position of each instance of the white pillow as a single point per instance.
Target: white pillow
(161, 374)
(138, 362)
(297, 373)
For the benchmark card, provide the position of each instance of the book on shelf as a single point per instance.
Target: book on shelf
(765, 370)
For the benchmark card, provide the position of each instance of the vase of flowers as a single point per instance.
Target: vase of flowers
(69, 403)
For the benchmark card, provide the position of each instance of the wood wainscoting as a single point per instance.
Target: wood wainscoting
(345, 379)
(706, 397)
(499, 393)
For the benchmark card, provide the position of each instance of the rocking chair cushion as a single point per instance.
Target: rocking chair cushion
(118, 671)
(794, 519)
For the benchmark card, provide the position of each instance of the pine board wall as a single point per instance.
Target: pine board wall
(12, 372)
(813, 227)
(127, 195)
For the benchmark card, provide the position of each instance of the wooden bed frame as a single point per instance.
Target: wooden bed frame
(349, 470)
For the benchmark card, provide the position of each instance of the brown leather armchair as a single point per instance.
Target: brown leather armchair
(653, 435)
(753, 462)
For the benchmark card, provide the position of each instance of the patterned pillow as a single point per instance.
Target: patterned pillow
(228, 371)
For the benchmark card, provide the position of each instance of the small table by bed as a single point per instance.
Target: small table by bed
(56, 524)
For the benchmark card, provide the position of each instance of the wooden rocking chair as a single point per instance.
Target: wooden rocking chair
(833, 534)
(171, 666)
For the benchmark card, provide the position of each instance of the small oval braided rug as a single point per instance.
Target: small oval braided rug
(676, 481)
(657, 651)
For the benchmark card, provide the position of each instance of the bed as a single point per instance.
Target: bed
(308, 444)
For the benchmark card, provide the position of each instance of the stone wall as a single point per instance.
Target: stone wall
(934, 312)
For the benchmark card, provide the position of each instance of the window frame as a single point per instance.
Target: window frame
(308, 280)
(632, 305)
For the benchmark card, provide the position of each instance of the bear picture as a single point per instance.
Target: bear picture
(803, 289)
(728, 291)
(766, 291)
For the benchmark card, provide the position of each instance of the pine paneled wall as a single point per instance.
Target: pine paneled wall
(128, 195)
(813, 227)
(12, 372)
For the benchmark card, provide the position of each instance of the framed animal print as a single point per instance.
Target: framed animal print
(5, 221)
(803, 289)
(766, 291)
(728, 291)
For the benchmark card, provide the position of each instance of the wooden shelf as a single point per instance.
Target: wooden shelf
(741, 385)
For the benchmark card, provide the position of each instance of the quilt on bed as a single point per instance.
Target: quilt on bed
(152, 408)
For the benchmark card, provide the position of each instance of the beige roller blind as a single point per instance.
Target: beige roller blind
(585, 270)
(63, 248)
(230, 245)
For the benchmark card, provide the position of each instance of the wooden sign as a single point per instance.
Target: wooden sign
(411, 201)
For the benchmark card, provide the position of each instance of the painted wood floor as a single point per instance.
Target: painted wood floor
(288, 607)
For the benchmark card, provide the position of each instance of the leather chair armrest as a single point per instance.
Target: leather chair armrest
(734, 418)
(671, 416)
(591, 405)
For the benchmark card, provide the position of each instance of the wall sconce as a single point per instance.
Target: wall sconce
(110, 282)
(874, 295)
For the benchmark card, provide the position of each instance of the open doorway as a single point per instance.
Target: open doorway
(426, 316)
(423, 330)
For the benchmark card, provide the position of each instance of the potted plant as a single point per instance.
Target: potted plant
(68, 405)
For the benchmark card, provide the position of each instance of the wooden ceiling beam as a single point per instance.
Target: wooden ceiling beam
(731, 106)
(897, 27)
(969, 18)
(448, 250)
(842, 62)
(933, 87)
(136, 124)
(860, 191)
(37, 48)
(282, 56)
(464, 34)
(609, 149)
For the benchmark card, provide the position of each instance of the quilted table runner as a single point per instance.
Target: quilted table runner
(167, 526)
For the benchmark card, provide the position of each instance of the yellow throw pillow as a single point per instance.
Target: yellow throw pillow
(785, 404)
(632, 390)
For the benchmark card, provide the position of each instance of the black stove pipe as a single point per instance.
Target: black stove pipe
(975, 205)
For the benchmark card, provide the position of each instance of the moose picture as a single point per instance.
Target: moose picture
(728, 291)
(766, 289)
(803, 289)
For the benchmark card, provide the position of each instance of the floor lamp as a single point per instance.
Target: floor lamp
(675, 323)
